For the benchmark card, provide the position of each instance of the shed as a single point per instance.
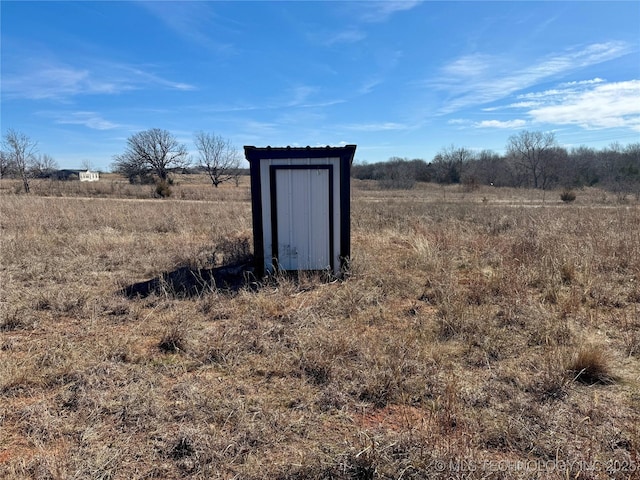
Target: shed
(300, 202)
(89, 176)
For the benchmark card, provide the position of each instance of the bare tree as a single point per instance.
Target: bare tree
(6, 165)
(151, 152)
(43, 166)
(86, 164)
(133, 168)
(450, 162)
(491, 168)
(581, 168)
(19, 151)
(554, 160)
(533, 151)
(397, 173)
(218, 157)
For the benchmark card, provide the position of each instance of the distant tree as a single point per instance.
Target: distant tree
(396, 173)
(607, 161)
(363, 170)
(19, 152)
(491, 169)
(450, 162)
(421, 169)
(6, 166)
(629, 169)
(555, 160)
(135, 169)
(218, 157)
(86, 164)
(43, 166)
(533, 152)
(533, 159)
(151, 153)
(581, 168)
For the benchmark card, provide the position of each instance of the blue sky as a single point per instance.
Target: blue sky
(397, 78)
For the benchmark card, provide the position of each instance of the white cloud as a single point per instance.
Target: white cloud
(58, 81)
(543, 94)
(300, 96)
(479, 79)
(524, 104)
(606, 105)
(194, 21)
(88, 119)
(469, 66)
(583, 82)
(376, 127)
(517, 123)
(590, 104)
(379, 11)
(344, 36)
(61, 81)
(458, 121)
(261, 129)
(499, 124)
(369, 86)
(527, 104)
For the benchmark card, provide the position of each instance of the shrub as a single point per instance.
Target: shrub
(174, 339)
(163, 190)
(591, 366)
(567, 196)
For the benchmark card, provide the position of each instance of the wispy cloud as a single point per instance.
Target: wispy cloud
(61, 81)
(376, 127)
(255, 129)
(194, 21)
(58, 81)
(379, 11)
(360, 13)
(506, 124)
(300, 95)
(589, 104)
(350, 35)
(523, 104)
(369, 86)
(305, 96)
(141, 76)
(294, 97)
(90, 120)
(583, 82)
(493, 124)
(479, 79)
(470, 66)
(606, 105)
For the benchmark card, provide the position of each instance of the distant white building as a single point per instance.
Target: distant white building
(89, 176)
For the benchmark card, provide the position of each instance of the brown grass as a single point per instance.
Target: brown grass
(449, 351)
(592, 365)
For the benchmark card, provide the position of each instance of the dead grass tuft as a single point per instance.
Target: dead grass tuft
(17, 319)
(174, 338)
(592, 365)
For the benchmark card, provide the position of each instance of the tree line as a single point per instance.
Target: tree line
(152, 154)
(19, 158)
(149, 157)
(532, 159)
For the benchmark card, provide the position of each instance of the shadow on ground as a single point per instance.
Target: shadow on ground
(191, 282)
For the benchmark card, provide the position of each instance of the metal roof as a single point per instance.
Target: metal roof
(266, 153)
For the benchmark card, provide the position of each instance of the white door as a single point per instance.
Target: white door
(302, 225)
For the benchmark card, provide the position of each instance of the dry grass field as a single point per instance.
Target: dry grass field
(478, 335)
